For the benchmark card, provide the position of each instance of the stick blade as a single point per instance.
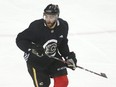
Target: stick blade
(104, 75)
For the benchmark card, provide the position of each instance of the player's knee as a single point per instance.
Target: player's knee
(61, 81)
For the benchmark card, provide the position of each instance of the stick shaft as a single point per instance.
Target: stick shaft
(99, 74)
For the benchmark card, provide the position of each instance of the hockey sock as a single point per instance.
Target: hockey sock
(61, 81)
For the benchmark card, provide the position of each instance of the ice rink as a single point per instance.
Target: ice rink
(92, 36)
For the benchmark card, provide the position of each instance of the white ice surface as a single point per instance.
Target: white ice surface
(92, 36)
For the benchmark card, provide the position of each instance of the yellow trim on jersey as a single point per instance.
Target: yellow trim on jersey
(35, 77)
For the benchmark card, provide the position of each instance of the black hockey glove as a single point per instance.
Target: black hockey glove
(71, 61)
(37, 50)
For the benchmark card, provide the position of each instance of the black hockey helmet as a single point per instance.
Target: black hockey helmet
(52, 9)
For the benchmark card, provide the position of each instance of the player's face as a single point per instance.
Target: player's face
(50, 19)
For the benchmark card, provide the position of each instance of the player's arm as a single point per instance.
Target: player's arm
(64, 51)
(23, 40)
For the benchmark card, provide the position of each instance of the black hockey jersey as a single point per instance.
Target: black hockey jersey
(54, 41)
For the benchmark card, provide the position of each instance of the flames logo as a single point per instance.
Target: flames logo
(50, 47)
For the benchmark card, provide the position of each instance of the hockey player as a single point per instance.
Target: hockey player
(44, 38)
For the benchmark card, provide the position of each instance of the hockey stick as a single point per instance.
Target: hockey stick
(99, 74)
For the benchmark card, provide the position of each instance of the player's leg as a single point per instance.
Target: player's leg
(40, 78)
(58, 72)
(61, 81)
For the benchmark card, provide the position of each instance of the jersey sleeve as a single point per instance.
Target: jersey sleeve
(63, 47)
(25, 38)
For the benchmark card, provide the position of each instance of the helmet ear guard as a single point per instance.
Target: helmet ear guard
(52, 9)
